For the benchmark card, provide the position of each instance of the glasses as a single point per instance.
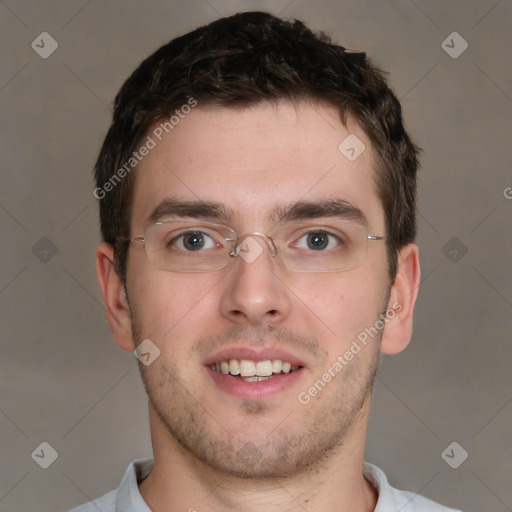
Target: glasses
(189, 246)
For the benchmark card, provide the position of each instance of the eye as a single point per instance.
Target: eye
(318, 240)
(193, 241)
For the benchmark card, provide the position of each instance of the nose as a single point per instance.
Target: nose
(254, 293)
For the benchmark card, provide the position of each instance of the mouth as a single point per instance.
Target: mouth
(254, 371)
(250, 374)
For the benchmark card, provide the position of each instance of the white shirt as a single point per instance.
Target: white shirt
(127, 497)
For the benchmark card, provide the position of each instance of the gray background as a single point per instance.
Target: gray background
(64, 381)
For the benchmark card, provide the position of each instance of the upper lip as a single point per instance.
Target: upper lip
(253, 354)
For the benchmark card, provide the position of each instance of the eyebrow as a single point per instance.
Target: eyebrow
(300, 210)
(335, 208)
(196, 209)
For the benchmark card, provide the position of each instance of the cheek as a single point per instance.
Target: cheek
(166, 304)
(342, 307)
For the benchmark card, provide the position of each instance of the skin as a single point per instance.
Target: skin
(214, 451)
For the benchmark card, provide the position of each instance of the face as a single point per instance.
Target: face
(253, 164)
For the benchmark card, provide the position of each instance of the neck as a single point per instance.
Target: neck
(179, 481)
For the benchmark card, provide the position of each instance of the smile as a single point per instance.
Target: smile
(253, 371)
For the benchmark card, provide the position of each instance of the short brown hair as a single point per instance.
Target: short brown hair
(243, 60)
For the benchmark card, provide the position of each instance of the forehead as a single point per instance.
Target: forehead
(256, 159)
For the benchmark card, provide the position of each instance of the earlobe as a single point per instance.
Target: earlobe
(114, 297)
(404, 291)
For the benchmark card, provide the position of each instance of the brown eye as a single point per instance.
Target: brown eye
(318, 240)
(193, 241)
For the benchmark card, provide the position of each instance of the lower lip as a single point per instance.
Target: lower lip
(254, 390)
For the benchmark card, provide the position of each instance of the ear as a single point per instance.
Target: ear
(114, 297)
(398, 329)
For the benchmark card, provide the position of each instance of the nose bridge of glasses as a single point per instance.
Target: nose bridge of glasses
(240, 241)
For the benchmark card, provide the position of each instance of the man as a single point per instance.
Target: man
(257, 203)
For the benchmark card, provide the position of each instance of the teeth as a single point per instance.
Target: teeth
(253, 371)
(277, 364)
(255, 379)
(247, 368)
(234, 367)
(264, 368)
